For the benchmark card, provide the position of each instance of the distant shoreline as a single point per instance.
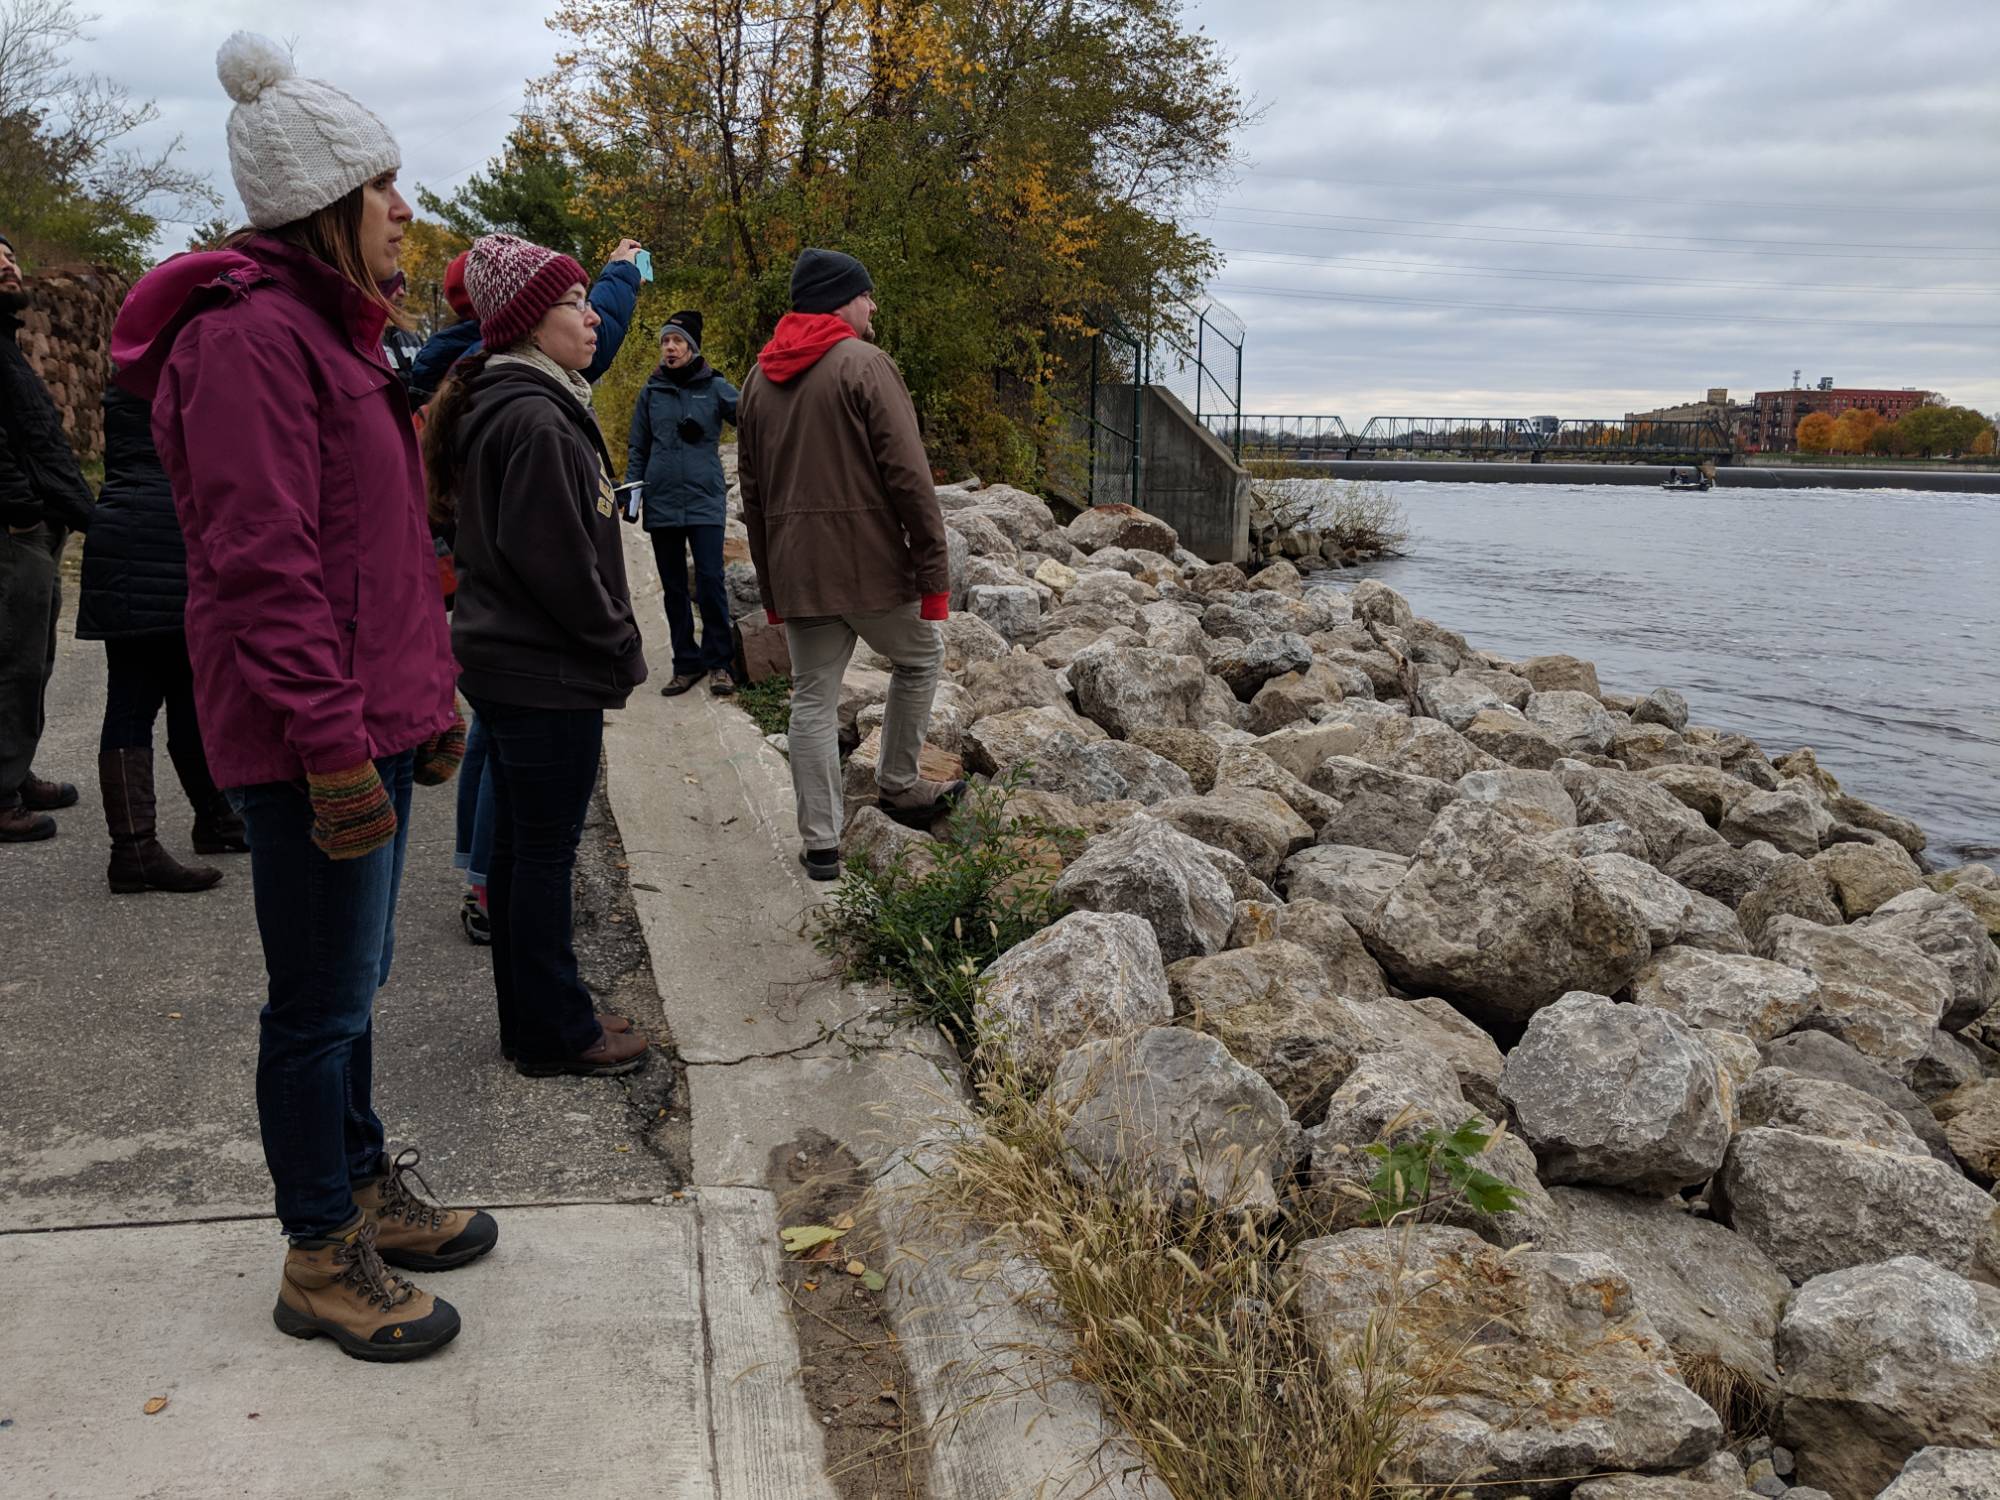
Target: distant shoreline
(1647, 475)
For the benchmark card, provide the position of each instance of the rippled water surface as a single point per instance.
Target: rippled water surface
(1865, 623)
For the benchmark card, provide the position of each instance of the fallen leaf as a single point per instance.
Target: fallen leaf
(811, 1286)
(155, 1406)
(624, 1148)
(803, 1237)
(845, 1221)
(875, 1281)
(855, 1268)
(827, 1251)
(173, 1015)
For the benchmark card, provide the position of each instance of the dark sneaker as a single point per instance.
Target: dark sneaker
(821, 864)
(613, 1054)
(339, 1288)
(679, 683)
(617, 1025)
(20, 826)
(38, 795)
(722, 682)
(922, 804)
(472, 916)
(413, 1231)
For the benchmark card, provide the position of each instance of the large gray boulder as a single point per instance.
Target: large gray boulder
(1014, 610)
(1155, 871)
(1580, 1382)
(1948, 1474)
(1727, 992)
(1429, 1024)
(1300, 748)
(1714, 1296)
(1786, 819)
(1662, 706)
(1820, 1055)
(1882, 1360)
(1709, 790)
(1723, 873)
(1130, 688)
(1662, 904)
(1392, 1096)
(998, 687)
(1089, 975)
(1877, 990)
(1669, 827)
(1864, 877)
(1378, 604)
(1792, 888)
(1816, 1205)
(1247, 665)
(1798, 1102)
(1560, 674)
(1711, 926)
(1507, 736)
(1148, 778)
(1345, 777)
(1256, 826)
(1353, 881)
(1320, 929)
(1947, 932)
(1169, 1108)
(1120, 526)
(1535, 800)
(1970, 1115)
(1498, 920)
(1577, 722)
(1248, 766)
(1617, 1096)
(1460, 698)
(1372, 820)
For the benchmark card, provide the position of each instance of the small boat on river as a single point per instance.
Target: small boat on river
(1677, 482)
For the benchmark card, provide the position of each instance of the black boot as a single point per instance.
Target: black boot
(138, 863)
(217, 829)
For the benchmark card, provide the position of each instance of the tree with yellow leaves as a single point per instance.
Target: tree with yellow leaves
(1815, 433)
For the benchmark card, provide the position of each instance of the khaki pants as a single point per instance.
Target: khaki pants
(820, 651)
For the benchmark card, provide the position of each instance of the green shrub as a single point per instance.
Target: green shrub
(1403, 1173)
(928, 927)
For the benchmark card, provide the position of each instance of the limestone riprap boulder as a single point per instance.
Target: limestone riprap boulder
(1950, 1063)
(1171, 629)
(1258, 827)
(1125, 689)
(1537, 1367)
(1856, 813)
(1560, 674)
(1970, 1116)
(1148, 778)
(1425, 747)
(1786, 819)
(1877, 991)
(1865, 877)
(1712, 926)
(1662, 904)
(1690, 1484)
(1535, 800)
(1793, 888)
(1272, 1007)
(1392, 1096)
(1647, 747)
(1217, 581)
(1596, 838)
(1727, 992)
(1088, 976)
(1011, 682)
(1951, 936)
(1575, 721)
(1819, 1055)
(1346, 777)
(1301, 748)
(1428, 1024)
(1784, 1100)
(1724, 873)
(1353, 881)
(1662, 706)
(1507, 736)
(1463, 696)
(1882, 1360)
(1374, 820)
(875, 841)
(1816, 1205)
(1713, 1295)
(1120, 526)
(1708, 790)
(1977, 888)
(1948, 1474)
(1375, 603)
(1669, 827)
(1293, 698)
(1054, 575)
(1321, 930)
(1155, 871)
(1249, 766)
(1247, 665)
(1168, 1108)
(1617, 1096)
(1194, 752)
(1737, 1061)
(1486, 916)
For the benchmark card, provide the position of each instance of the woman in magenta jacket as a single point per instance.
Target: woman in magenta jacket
(322, 665)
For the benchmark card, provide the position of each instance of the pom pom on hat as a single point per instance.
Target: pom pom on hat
(296, 145)
(248, 64)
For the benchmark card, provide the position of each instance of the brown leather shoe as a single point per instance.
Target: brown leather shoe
(612, 1054)
(919, 805)
(414, 1231)
(47, 796)
(18, 825)
(679, 683)
(338, 1287)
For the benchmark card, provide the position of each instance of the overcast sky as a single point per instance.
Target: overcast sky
(1702, 193)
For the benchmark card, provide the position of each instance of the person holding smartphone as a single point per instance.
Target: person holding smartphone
(675, 453)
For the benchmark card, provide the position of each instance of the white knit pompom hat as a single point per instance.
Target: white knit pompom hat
(295, 144)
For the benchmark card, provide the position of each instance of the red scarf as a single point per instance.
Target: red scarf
(798, 344)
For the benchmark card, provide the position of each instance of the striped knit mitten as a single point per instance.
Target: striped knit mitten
(352, 814)
(438, 758)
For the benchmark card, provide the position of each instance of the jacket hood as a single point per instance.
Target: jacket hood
(503, 388)
(799, 342)
(444, 349)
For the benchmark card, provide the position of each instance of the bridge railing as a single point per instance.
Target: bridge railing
(1326, 436)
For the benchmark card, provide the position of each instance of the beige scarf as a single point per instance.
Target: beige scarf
(526, 353)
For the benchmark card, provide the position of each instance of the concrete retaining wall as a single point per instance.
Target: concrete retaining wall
(1190, 480)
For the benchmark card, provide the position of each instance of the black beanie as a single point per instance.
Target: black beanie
(7, 242)
(688, 326)
(823, 280)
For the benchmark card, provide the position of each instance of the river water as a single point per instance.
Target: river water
(1864, 623)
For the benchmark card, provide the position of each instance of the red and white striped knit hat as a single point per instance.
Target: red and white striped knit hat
(512, 283)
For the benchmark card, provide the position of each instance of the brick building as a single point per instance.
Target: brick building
(1774, 423)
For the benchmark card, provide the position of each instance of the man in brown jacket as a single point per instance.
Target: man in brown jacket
(848, 541)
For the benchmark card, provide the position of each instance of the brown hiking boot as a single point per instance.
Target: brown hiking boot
(339, 1287)
(917, 805)
(40, 795)
(414, 1232)
(18, 825)
(612, 1054)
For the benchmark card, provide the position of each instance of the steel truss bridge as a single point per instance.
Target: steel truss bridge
(1608, 440)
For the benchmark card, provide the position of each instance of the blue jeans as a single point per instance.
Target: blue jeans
(543, 764)
(472, 849)
(717, 648)
(329, 931)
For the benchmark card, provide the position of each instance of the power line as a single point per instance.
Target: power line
(1470, 239)
(1539, 309)
(1592, 278)
(1609, 234)
(1540, 192)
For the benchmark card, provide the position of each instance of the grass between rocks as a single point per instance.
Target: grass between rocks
(769, 704)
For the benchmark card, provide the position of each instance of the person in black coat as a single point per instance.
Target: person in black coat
(134, 599)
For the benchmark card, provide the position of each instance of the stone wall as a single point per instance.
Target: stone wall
(66, 336)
